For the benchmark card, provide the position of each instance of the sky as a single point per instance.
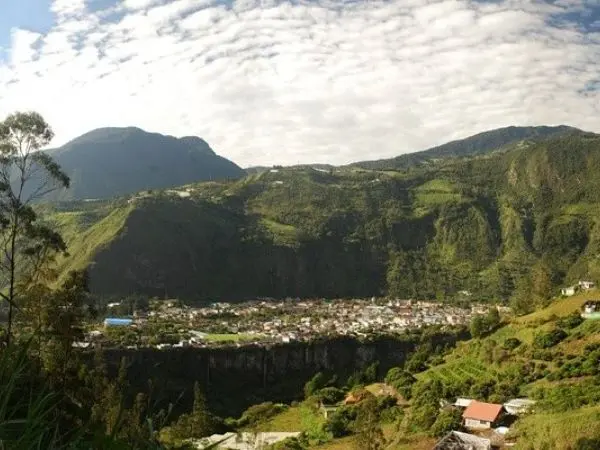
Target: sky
(285, 82)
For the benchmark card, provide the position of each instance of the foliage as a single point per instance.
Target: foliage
(330, 395)
(341, 422)
(549, 339)
(571, 321)
(587, 444)
(446, 421)
(201, 423)
(26, 175)
(259, 413)
(369, 435)
(315, 384)
(483, 325)
(401, 380)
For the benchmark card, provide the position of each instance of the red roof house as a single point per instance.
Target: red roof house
(482, 416)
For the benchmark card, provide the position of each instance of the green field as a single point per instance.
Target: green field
(458, 370)
(229, 337)
(557, 431)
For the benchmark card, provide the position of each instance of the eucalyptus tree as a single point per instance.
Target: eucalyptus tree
(27, 175)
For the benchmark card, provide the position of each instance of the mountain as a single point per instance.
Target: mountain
(109, 162)
(478, 144)
(511, 227)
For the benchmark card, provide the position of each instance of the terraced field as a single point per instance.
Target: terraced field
(458, 370)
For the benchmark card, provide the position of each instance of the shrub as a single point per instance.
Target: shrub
(400, 380)
(260, 413)
(511, 343)
(330, 395)
(549, 339)
(341, 421)
(446, 421)
(571, 321)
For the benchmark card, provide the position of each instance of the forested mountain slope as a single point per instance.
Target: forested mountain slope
(510, 225)
(478, 144)
(109, 162)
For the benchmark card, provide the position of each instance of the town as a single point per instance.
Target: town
(169, 323)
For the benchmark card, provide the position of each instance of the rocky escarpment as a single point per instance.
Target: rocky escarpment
(235, 378)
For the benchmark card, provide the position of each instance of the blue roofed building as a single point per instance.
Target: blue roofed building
(117, 322)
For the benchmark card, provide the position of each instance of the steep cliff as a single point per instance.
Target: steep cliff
(235, 378)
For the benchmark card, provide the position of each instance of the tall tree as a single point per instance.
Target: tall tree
(369, 435)
(26, 174)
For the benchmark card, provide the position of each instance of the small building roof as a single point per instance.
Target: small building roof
(455, 440)
(463, 402)
(520, 402)
(488, 412)
(117, 321)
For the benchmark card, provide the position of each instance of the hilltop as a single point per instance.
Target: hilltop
(480, 224)
(109, 162)
(478, 144)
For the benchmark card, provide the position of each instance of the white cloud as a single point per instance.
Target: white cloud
(22, 48)
(330, 81)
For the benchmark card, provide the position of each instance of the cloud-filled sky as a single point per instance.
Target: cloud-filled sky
(285, 82)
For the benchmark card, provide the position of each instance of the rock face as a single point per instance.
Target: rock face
(235, 378)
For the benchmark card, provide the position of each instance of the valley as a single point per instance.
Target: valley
(380, 305)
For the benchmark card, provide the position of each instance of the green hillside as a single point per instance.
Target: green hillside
(478, 144)
(551, 356)
(483, 224)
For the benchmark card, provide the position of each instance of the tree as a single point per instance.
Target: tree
(493, 319)
(60, 325)
(26, 175)
(314, 384)
(447, 420)
(401, 380)
(541, 280)
(478, 326)
(369, 435)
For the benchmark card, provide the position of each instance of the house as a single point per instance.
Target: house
(568, 291)
(587, 285)
(117, 322)
(482, 416)
(518, 406)
(591, 310)
(455, 440)
(327, 410)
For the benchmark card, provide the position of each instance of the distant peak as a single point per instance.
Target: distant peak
(197, 143)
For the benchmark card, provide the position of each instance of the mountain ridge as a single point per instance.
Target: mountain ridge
(477, 224)
(109, 162)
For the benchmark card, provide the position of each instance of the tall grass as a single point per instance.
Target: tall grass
(32, 416)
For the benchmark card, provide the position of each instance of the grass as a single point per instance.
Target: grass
(289, 420)
(393, 441)
(557, 430)
(83, 244)
(458, 370)
(560, 308)
(437, 192)
(282, 234)
(229, 337)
